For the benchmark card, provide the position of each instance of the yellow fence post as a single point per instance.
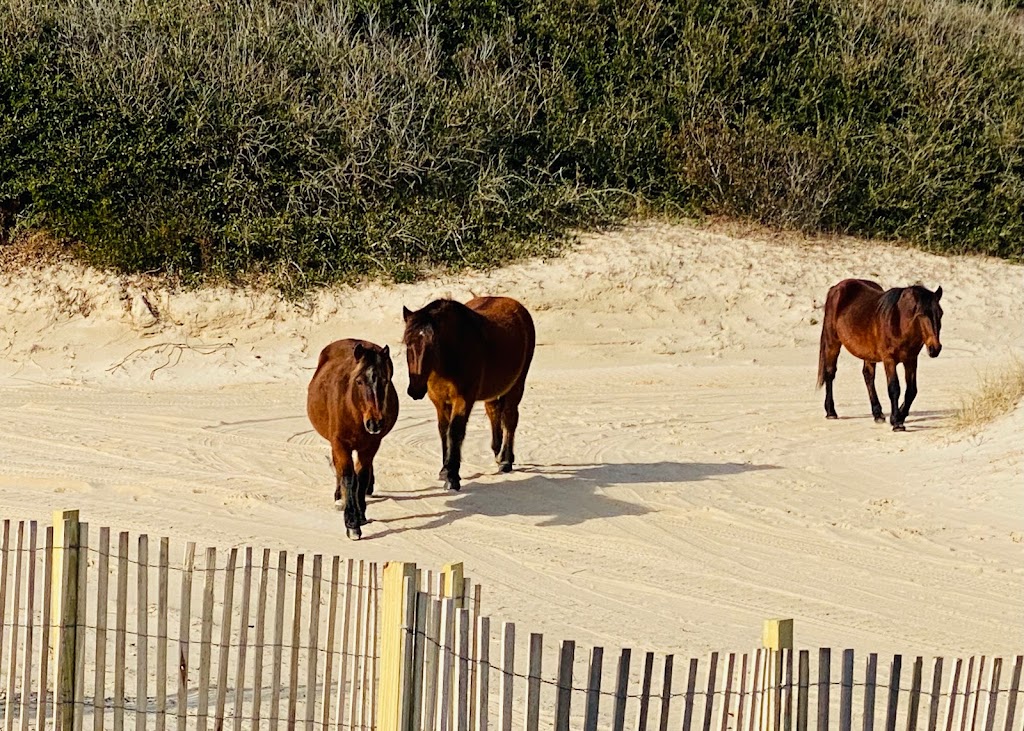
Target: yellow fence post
(453, 583)
(393, 625)
(64, 613)
(776, 636)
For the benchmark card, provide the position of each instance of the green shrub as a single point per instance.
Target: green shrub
(325, 139)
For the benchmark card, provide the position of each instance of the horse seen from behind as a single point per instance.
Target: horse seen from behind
(352, 403)
(879, 326)
(463, 353)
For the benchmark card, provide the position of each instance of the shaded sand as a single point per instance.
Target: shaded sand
(678, 481)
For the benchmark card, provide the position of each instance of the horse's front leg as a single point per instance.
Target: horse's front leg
(444, 418)
(456, 434)
(893, 382)
(910, 369)
(346, 488)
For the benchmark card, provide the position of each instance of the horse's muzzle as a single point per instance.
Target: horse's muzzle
(373, 426)
(416, 393)
(934, 350)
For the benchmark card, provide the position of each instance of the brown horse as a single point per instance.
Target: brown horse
(352, 404)
(464, 353)
(874, 326)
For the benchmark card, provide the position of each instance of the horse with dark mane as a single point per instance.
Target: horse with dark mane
(463, 353)
(889, 327)
(352, 403)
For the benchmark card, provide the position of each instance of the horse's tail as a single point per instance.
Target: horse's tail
(821, 356)
(827, 318)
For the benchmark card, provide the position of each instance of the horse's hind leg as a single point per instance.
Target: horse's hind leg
(363, 482)
(893, 381)
(828, 351)
(831, 365)
(368, 487)
(509, 422)
(494, 412)
(869, 381)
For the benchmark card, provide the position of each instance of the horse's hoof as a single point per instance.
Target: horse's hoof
(443, 474)
(879, 419)
(831, 416)
(364, 521)
(506, 467)
(452, 485)
(354, 533)
(339, 505)
(899, 427)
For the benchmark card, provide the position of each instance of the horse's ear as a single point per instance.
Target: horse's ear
(386, 352)
(938, 293)
(360, 351)
(406, 313)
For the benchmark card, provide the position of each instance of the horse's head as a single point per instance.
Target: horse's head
(928, 315)
(370, 385)
(420, 350)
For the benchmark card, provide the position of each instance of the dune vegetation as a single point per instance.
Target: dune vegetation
(321, 140)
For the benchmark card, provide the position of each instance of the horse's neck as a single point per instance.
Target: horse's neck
(905, 328)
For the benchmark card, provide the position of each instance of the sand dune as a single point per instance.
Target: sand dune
(678, 481)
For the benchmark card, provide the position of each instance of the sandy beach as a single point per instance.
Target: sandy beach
(677, 480)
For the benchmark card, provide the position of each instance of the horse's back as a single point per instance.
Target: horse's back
(506, 313)
(853, 289)
(512, 339)
(859, 295)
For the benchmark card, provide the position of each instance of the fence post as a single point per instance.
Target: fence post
(64, 615)
(454, 583)
(395, 677)
(776, 636)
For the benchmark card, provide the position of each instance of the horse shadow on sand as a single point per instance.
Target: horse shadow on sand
(559, 494)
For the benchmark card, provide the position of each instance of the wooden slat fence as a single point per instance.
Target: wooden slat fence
(189, 637)
(207, 639)
(524, 681)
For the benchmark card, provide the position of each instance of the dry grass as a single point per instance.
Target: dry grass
(30, 251)
(997, 393)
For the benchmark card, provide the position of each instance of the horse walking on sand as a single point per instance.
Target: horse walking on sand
(879, 326)
(352, 403)
(463, 353)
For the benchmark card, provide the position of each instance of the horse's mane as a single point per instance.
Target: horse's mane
(890, 298)
(888, 301)
(436, 311)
